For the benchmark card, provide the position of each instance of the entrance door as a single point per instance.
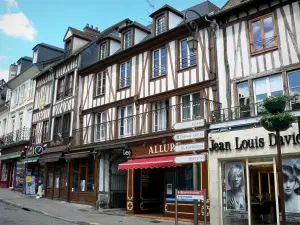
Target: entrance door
(262, 189)
(56, 182)
(63, 190)
(12, 176)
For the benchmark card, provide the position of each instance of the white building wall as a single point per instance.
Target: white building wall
(174, 20)
(78, 43)
(114, 46)
(139, 35)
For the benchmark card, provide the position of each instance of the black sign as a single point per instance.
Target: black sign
(126, 152)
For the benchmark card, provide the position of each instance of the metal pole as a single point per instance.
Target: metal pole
(280, 177)
(195, 184)
(205, 205)
(176, 209)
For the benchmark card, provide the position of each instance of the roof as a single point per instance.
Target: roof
(49, 46)
(231, 3)
(111, 36)
(202, 8)
(25, 58)
(168, 7)
(84, 35)
(138, 25)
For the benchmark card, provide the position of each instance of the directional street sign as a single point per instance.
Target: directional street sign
(190, 147)
(189, 159)
(189, 136)
(189, 124)
(192, 195)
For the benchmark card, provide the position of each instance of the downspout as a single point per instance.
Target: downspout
(52, 99)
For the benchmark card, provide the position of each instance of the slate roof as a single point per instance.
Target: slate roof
(49, 46)
(166, 6)
(202, 8)
(231, 3)
(136, 24)
(84, 35)
(26, 58)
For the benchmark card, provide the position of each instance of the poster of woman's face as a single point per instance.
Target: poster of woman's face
(291, 184)
(235, 186)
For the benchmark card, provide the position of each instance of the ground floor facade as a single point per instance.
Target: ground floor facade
(243, 172)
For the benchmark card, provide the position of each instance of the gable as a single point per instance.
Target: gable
(231, 3)
(68, 34)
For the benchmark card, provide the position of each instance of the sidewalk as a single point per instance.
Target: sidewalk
(76, 213)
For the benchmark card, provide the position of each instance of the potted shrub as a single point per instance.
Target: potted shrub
(279, 121)
(275, 104)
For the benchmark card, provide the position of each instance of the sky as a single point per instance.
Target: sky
(25, 23)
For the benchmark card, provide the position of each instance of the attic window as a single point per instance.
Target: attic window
(103, 50)
(19, 68)
(127, 40)
(68, 47)
(35, 54)
(160, 25)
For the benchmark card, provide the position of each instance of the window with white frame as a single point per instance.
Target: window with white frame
(160, 25)
(103, 50)
(190, 107)
(35, 55)
(187, 55)
(22, 94)
(100, 85)
(19, 68)
(125, 74)
(127, 39)
(101, 126)
(294, 88)
(8, 95)
(4, 127)
(34, 133)
(159, 62)
(160, 115)
(21, 121)
(37, 99)
(13, 123)
(125, 121)
(45, 133)
(30, 90)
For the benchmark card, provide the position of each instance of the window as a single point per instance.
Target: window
(83, 175)
(68, 47)
(190, 107)
(4, 171)
(244, 99)
(45, 134)
(22, 94)
(66, 125)
(294, 88)
(31, 86)
(100, 85)
(160, 25)
(19, 68)
(159, 62)
(21, 121)
(187, 55)
(35, 55)
(262, 33)
(103, 50)
(34, 134)
(60, 89)
(13, 123)
(57, 128)
(8, 95)
(4, 126)
(69, 85)
(125, 121)
(160, 115)
(125, 74)
(127, 39)
(101, 126)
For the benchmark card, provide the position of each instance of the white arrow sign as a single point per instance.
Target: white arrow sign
(189, 136)
(190, 147)
(190, 159)
(189, 124)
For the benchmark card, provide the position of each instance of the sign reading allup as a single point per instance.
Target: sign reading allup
(189, 136)
(189, 124)
(190, 147)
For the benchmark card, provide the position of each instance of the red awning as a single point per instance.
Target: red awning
(155, 162)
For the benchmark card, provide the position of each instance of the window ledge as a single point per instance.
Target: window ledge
(47, 105)
(187, 68)
(98, 96)
(35, 110)
(123, 88)
(264, 51)
(158, 77)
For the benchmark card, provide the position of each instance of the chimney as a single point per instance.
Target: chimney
(91, 30)
(12, 71)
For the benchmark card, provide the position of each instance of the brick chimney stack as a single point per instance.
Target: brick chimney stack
(12, 71)
(91, 30)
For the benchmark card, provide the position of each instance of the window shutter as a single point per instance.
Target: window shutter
(8, 95)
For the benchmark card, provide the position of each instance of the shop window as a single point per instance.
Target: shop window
(159, 62)
(90, 183)
(243, 99)
(262, 33)
(4, 171)
(83, 175)
(294, 88)
(75, 173)
(187, 55)
(50, 179)
(190, 107)
(125, 121)
(160, 111)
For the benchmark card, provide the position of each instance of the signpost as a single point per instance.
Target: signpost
(190, 159)
(189, 124)
(190, 147)
(190, 135)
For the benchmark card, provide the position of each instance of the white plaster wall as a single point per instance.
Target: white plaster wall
(4, 115)
(114, 46)
(78, 43)
(174, 20)
(139, 35)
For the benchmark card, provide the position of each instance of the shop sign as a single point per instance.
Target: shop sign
(189, 124)
(190, 147)
(164, 148)
(126, 152)
(38, 149)
(253, 143)
(190, 159)
(189, 136)
(235, 214)
(190, 195)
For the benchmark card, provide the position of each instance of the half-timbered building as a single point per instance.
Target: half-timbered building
(135, 87)
(258, 46)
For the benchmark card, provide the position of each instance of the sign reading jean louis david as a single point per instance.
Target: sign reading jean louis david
(255, 140)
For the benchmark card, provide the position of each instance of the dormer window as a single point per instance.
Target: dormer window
(35, 54)
(127, 40)
(160, 25)
(19, 68)
(68, 47)
(103, 50)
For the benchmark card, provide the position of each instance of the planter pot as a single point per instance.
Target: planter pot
(275, 107)
(275, 124)
(268, 127)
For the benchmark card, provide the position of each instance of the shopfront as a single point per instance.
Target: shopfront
(153, 176)
(243, 173)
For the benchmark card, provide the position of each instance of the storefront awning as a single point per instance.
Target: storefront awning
(155, 162)
(30, 159)
(11, 156)
(51, 157)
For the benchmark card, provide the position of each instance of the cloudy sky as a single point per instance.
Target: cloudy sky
(25, 23)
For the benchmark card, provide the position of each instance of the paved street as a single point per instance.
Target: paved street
(10, 215)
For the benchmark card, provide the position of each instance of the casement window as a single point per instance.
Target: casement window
(34, 134)
(35, 55)
(21, 121)
(101, 126)
(103, 50)
(60, 89)
(160, 25)
(22, 94)
(19, 68)
(160, 112)
(4, 127)
(66, 125)
(68, 47)
(125, 74)
(13, 123)
(125, 121)
(159, 62)
(100, 83)
(45, 134)
(294, 88)
(190, 107)
(57, 128)
(8, 95)
(263, 34)
(244, 99)
(31, 89)
(69, 85)
(127, 40)
(187, 55)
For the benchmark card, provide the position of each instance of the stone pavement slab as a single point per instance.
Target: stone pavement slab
(76, 213)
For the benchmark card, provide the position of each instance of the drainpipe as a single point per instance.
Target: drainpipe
(52, 99)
